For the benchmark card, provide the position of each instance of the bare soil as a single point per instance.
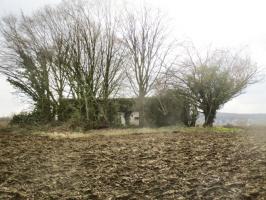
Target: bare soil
(171, 165)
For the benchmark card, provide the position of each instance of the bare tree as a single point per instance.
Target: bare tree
(97, 58)
(25, 61)
(112, 62)
(212, 80)
(144, 37)
(71, 50)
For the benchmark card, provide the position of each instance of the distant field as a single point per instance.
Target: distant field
(167, 163)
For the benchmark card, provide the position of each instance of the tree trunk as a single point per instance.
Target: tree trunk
(141, 102)
(43, 108)
(105, 121)
(209, 114)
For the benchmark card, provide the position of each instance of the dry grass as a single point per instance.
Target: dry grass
(130, 131)
(4, 123)
(103, 132)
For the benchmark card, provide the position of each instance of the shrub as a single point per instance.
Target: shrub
(163, 110)
(25, 118)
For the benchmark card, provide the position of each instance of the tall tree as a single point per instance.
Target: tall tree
(144, 36)
(70, 50)
(97, 58)
(25, 62)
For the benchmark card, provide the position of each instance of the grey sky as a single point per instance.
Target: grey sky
(227, 23)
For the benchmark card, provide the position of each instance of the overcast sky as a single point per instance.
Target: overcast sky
(221, 23)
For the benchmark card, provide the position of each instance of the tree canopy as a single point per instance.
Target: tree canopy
(213, 80)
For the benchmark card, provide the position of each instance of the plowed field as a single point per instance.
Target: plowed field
(174, 165)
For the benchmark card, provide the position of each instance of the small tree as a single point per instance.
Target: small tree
(164, 109)
(212, 81)
(171, 101)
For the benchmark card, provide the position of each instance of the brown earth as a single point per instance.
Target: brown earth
(172, 165)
